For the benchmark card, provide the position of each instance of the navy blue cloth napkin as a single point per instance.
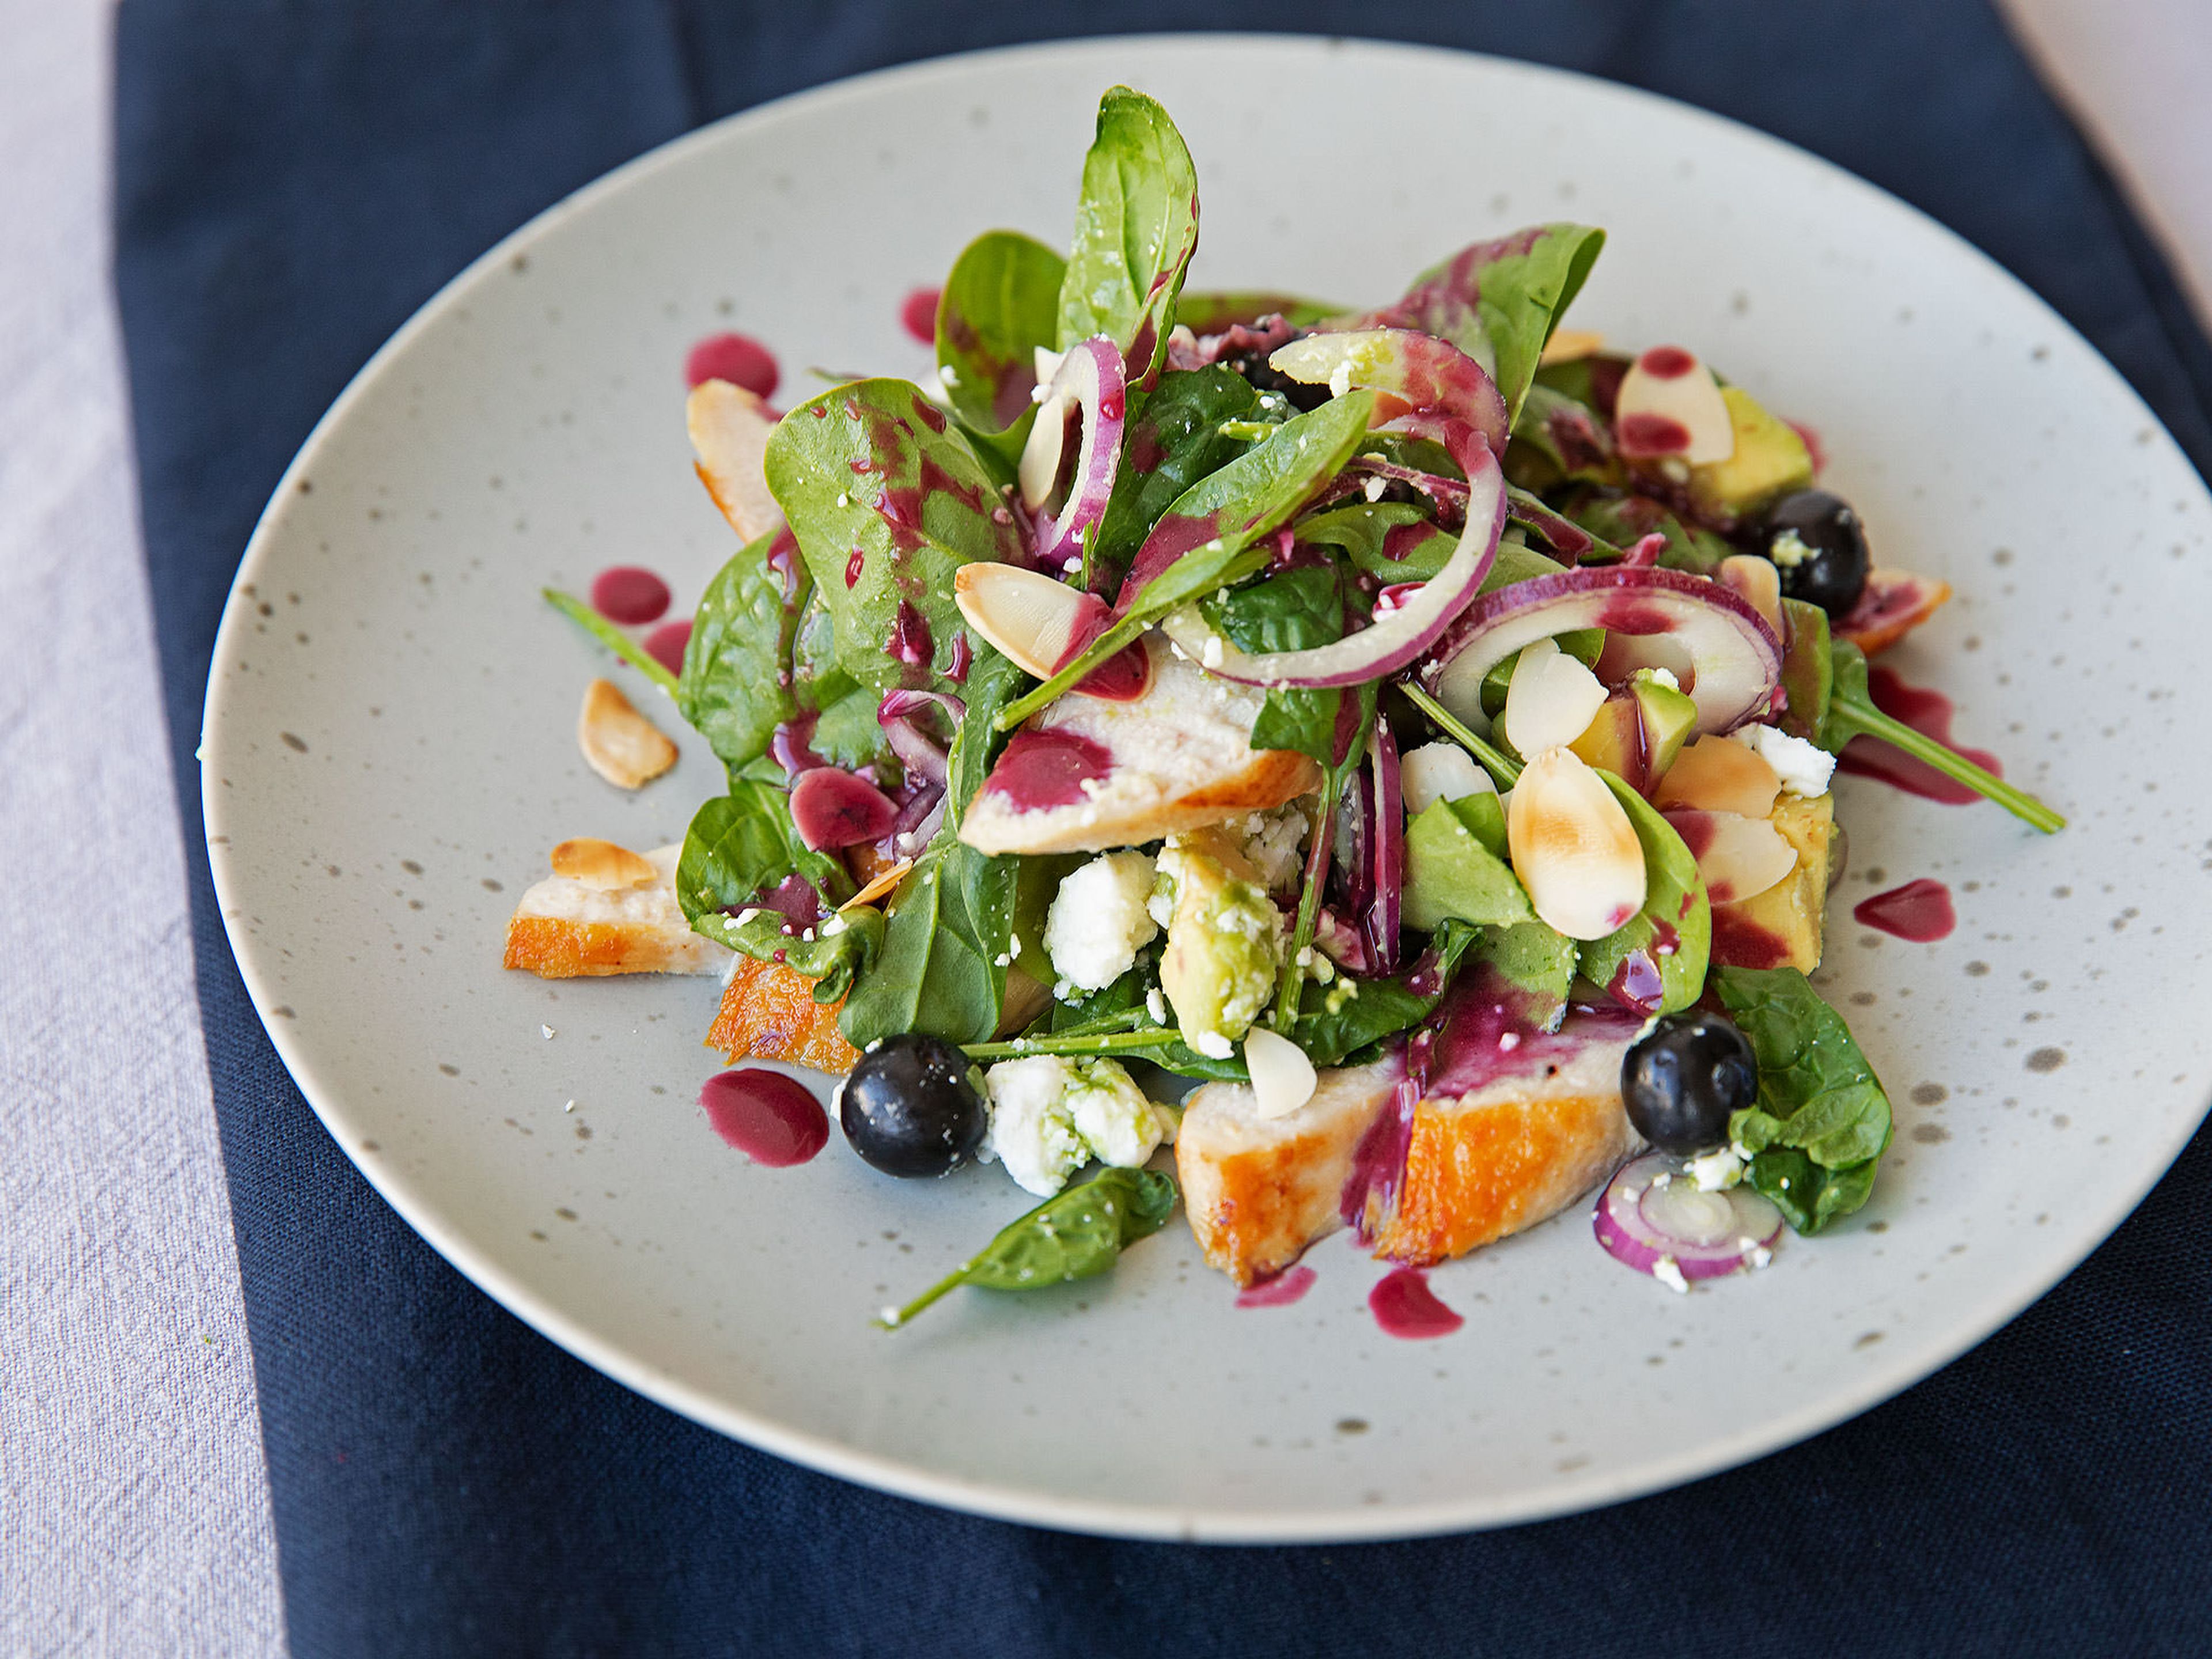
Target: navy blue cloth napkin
(293, 179)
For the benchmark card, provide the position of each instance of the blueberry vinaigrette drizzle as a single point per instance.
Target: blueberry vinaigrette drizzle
(772, 1119)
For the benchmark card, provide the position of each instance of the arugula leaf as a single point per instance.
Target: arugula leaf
(1672, 934)
(1498, 301)
(1851, 714)
(1823, 1121)
(1136, 227)
(1001, 303)
(1204, 541)
(1456, 865)
(1076, 1234)
(738, 679)
(740, 845)
(887, 502)
(1173, 440)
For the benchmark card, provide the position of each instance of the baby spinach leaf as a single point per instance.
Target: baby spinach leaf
(1295, 611)
(1533, 959)
(1822, 1121)
(1852, 713)
(841, 949)
(1456, 865)
(1174, 439)
(742, 843)
(1498, 301)
(1620, 520)
(1559, 439)
(1136, 227)
(1339, 1020)
(1213, 311)
(1395, 541)
(887, 502)
(1670, 938)
(739, 681)
(1076, 1234)
(1001, 303)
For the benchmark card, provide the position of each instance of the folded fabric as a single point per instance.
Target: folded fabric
(292, 181)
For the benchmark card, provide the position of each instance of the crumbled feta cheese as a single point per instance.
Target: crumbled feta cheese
(1156, 1004)
(1273, 841)
(1804, 768)
(1788, 550)
(1340, 380)
(1111, 1113)
(1376, 485)
(1100, 920)
(1716, 1170)
(1759, 1256)
(1668, 1272)
(1031, 1132)
(1663, 677)
(1211, 658)
(1440, 771)
(547, 1030)
(1212, 1044)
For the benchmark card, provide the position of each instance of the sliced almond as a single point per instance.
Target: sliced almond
(603, 864)
(1670, 404)
(1739, 858)
(730, 428)
(1757, 581)
(619, 744)
(879, 884)
(1719, 775)
(1573, 846)
(1572, 346)
(1440, 771)
(1551, 699)
(1026, 614)
(1283, 1079)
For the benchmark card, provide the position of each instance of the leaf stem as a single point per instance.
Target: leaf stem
(944, 1286)
(1292, 985)
(612, 637)
(1097, 1042)
(1504, 770)
(1864, 719)
(1121, 634)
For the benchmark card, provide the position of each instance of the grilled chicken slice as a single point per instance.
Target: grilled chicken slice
(1089, 774)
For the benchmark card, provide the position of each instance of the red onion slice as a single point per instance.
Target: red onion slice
(1734, 658)
(1092, 379)
(832, 809)
(1414, 372)
(1397, 637)
(1653, 1217)
(1386, 846)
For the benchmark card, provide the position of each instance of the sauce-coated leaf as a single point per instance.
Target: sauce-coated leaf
(1136, 227)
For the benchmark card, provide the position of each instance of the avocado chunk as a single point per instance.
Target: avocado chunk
(1782, 927)
(1224, 942)
(1770, 458)
(1638, 731)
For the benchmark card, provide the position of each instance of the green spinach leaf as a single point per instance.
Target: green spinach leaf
(1076, 1234)
(739, 681)
(744, 842)
(1808, 670)
(1214, 311)
(833, 955)
(1456, 865)
(1136, 227)
(1498, 301)
(1295, 611)
(999, 305)
(1173, 440)
(1822, 1121)
(1536, 961)
(1670, 939)
(1395, 541)
(887, 502)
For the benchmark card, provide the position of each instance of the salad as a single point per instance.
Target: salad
(1381, 755)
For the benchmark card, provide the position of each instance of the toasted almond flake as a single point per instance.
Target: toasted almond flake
(1551, 699)
(878, 884)
(1440, 771)
(1690, 400)
(1719, 775)
(1283, 1079)
(601, 864)
(1027, 617)
(1757, 581)
(1568, 345)
(1739, 858)
(1573, 846)
(730, 429)
(619, 744)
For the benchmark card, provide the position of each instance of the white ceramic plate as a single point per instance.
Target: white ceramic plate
(390, 752)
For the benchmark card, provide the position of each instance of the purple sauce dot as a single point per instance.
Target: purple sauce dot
(738, 358)
(918, 314)
(629, 594)
(664, 645)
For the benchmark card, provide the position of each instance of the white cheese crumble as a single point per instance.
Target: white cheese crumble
(1668, 1272)
(1212, 1044)
(1716, 1170)
(1049, 1115)
(1663, 677)
(1100, 920)
(1111, 1113)
(1804, 768)
(1788, 550)
(1272, 842)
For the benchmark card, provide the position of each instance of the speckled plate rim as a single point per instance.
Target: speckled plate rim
(1909, 1361)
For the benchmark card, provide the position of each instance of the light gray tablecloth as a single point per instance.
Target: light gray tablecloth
(135, 1518)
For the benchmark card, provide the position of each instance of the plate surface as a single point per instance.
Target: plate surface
(390, 752)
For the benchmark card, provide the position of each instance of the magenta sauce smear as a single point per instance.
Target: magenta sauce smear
(1279, 1291)
(918, 314)
(1404, 1306)
(629, 594)
(1920, 911)
(664, 645)
(770, 1118)
(1039, 769)
(1928, 712)
(738, 358)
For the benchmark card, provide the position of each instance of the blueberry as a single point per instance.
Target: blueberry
(1818, 548)
(1262, 376)
(1681, 1081)
(909, 1108)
